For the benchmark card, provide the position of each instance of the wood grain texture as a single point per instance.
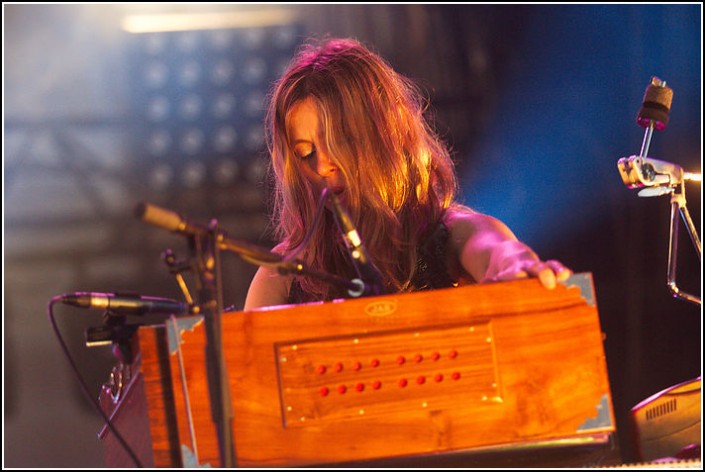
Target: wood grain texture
(159, 396)
(485, 366)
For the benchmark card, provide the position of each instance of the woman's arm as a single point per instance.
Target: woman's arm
(488, 251)
(268, 288)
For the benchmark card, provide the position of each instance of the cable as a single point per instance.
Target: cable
(82, 383)
(316, 219)
(289, 258)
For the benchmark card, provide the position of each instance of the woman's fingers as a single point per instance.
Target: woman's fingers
(548, 272)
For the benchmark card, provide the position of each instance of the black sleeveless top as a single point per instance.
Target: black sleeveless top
(431, 271)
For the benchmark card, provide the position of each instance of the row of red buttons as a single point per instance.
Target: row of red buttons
(376, 385)
(401, 360)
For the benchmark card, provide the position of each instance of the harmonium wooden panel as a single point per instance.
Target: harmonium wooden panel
(419, 378)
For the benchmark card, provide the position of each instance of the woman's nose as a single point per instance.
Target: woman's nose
(324, 166)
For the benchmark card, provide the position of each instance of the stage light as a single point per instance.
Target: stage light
(193, 174)
(159, 142)
(256, 171)
(161, 176)
(254, 70)
(190, 107)
(187, 41)
(199, 96)
(223, 105)
(221, 40)
(223, 72)
(224, 139)
(155, 44)
(158, 108)
(189, 73)
(254, 140)
(254, 38)
(155, 74)
(191, 141)
(254, 103)
(226, 171)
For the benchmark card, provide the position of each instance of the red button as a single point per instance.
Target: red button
(438, 378)
(401, 360)
(453, 354)
(376, 384)
(324, 391)
(342, 389)
(338, 367)
(360, 387)
(456, 375)
(321, 369)
(421, 380)
(403, 383)
(357, 366)
(374, 362)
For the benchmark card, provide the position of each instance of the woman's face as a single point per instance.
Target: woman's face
(308, 143)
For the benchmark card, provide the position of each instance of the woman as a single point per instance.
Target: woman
(341, 120)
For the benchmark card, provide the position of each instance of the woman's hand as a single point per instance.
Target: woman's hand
(511, 260)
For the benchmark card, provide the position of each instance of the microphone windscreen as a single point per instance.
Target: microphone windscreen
(656, 106)
(158, 216)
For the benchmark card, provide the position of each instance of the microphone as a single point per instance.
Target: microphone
(168, 220)
(176, 223)
(371, 278)
(656, 105)
(129, 304)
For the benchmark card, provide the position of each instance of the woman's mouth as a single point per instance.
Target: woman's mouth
(338, 193)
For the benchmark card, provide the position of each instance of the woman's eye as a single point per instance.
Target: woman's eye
(310, 154)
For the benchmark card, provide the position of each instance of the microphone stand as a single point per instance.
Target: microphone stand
(220, 240)
(660, 177)
(355, 287)
(678, 206)
(204, 247)
(205, 244)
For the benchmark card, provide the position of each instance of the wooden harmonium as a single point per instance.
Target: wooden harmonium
(419, 376)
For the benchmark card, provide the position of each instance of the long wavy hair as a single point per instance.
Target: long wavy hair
(398, 174)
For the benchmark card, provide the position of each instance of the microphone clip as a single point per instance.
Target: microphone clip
(116, 332)
(370, 280)
(640, 171)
